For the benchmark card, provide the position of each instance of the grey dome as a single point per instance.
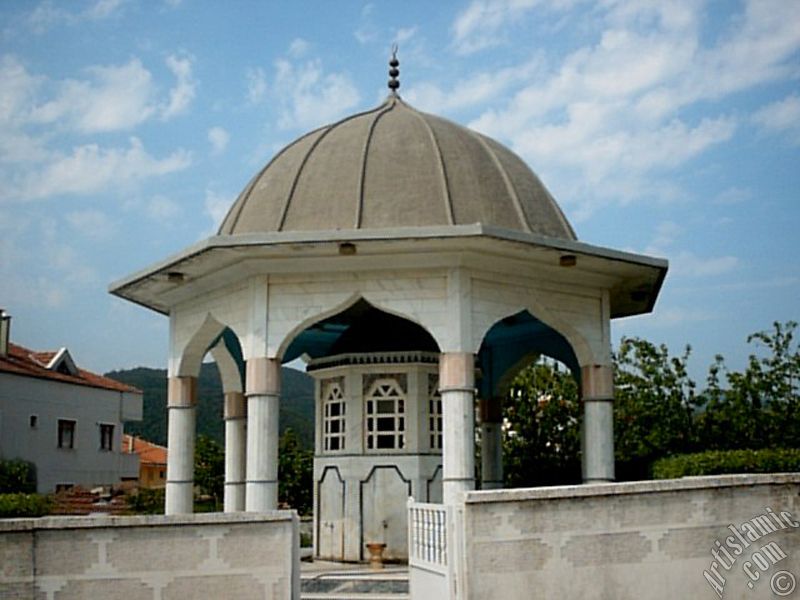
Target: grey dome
(394, 166)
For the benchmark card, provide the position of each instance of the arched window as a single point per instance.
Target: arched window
(385, 415)
(333, 416)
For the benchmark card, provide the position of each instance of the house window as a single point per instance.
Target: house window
(66, 433)
(106, 436)
(33, 421)
(386, 423)
(333, 417)
(435, 418)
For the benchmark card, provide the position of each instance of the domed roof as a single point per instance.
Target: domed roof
(394, 166)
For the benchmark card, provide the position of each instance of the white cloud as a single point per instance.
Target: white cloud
(256, 84)
(482, 24)
(91, 169)
(114, 98)
(160, 208)
(217, 206)
(613, 119)
(733, 195)
(93, 224)
(309, 97)
(182, 94)
(102, 9)
(687, 264)
(47, 14)
(366, 31)
(298, 47)
(219, 139)
(781, 117)
(403, 34)
(479, 88)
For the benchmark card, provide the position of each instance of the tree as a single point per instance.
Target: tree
(654, 404)
(295, 473)
(209, 468)
(541, 427)
(759, 407)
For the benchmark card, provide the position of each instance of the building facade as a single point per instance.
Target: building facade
(65, 420)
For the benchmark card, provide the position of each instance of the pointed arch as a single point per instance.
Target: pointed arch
(318, 334)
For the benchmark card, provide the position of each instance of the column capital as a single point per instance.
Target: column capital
(597, 383)
(263, 376)
(456, 371)
(234, 406)
(181, 392)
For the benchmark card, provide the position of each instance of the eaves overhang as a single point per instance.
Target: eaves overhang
(634, 280)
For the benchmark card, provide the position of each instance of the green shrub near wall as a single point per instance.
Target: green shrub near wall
(17, 476)
(719, 462)
(18, 506)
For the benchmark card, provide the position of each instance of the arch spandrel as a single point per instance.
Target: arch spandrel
(293, 307)
(193, 341)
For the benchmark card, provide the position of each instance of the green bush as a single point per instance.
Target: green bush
(17, 477)
(718, 462)
(147, 501)
(18, 506)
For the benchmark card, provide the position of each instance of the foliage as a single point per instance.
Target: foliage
(17, 476)
(659, 413)
(760, 407)
(654, 402)
(17, 506)
(147, 501)
(296, 405)
(541, 428)
(209, 468)
(295, 473)
(717, 462)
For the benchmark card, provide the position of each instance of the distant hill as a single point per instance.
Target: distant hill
(296, 408)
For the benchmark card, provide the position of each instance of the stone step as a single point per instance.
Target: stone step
(355, 585)
(337, 596)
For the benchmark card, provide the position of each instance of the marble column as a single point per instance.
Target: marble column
(491, 443)
(181, 409)
(235, 414)
(457, 388)
(597, 390)
(263, 393)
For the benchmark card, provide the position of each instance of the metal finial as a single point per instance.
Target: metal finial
(394, 72)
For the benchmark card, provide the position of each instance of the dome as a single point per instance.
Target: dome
(394, 166)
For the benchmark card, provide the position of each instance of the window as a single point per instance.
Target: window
(33, 421)
(66, 433)
(386, 423)
(333, 417)
(434, 413)
(106, 436)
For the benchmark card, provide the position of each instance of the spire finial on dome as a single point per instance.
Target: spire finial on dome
(394, 72)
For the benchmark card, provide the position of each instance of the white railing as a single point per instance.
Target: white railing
(431, 557)
(427, 533)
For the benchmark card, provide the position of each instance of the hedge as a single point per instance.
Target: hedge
(719, 462)
(17, 506)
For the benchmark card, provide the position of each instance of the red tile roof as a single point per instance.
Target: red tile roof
(149, 453)
(22, 361)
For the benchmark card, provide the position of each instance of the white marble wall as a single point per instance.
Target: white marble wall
(208, 556)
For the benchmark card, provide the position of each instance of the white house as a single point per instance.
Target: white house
(65, 420)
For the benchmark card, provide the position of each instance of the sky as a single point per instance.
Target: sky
(670, 128)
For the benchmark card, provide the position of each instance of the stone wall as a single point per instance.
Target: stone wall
(242, 556)
(636, 540)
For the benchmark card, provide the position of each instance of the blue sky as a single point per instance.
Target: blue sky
(669, 128)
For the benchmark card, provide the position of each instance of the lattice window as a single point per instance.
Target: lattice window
(333, 417)
(386, 421)
(434, 413)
